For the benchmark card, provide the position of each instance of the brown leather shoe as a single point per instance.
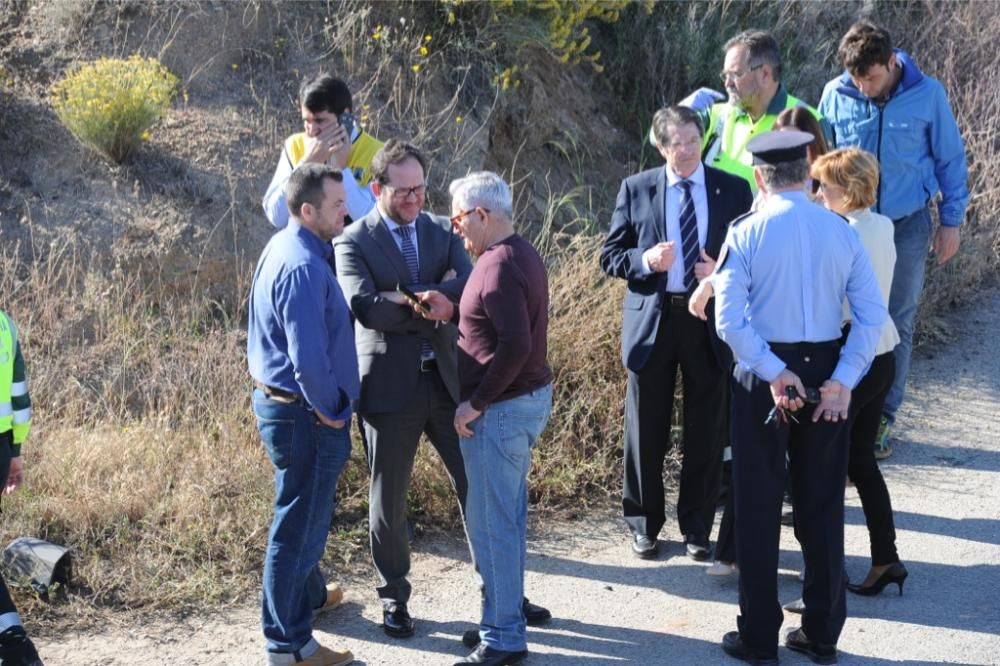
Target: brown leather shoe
(334, 595)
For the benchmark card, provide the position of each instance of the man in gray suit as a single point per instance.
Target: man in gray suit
(408, 365)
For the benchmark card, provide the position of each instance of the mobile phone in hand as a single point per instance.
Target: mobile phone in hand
(412, 298)
(346, 120)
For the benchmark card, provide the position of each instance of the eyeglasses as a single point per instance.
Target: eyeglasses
(725, 76)
(829, 187)
(406, 192)
(456, 221)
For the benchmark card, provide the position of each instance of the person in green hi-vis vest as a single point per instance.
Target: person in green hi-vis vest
(16, 648)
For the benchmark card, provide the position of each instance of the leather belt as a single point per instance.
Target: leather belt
(676, 300)
(278, 394)
(428, 364)
(804, 346)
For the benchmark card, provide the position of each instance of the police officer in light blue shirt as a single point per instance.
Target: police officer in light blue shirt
(780, 286)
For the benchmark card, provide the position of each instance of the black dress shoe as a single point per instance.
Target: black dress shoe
(484, 654)
(698, 548)
(534, 615)
(17, 649)
(797, 640)
(798, 606)
(644, 547)
(733, 645)
(396, 621)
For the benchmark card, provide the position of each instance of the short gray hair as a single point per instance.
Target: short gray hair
(484, 189)
(785, 174)
(761, 47)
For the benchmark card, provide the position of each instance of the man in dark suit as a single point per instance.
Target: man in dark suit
(408, 365)
(667, 226)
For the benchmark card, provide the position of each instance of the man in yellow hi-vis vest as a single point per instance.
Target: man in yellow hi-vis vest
(752, 75)
(16, 648)
(331, 136)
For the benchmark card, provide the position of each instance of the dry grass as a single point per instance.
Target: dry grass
(145, 458)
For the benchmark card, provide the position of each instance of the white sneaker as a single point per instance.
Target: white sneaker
(722, 569)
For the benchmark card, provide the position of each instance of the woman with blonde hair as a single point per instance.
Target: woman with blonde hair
(848, 184)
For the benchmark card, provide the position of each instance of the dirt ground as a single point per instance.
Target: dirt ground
(611, 608)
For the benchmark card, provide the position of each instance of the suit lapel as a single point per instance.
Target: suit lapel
(426, 250)
(383, 239)
(717, 216)
(659, 207)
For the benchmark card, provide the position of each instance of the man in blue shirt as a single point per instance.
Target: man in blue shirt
(780, 287)
(300, 350)
(886, 105)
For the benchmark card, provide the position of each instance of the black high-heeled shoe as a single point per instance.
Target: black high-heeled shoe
(897, 573)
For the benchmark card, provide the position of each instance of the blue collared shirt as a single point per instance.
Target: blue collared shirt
(787, 271)
(300, 336)
(672, 222)
(392, 225)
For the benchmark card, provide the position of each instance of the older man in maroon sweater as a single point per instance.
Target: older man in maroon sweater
(506, 392)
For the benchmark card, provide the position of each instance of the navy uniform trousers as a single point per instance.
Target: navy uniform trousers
(817, 465)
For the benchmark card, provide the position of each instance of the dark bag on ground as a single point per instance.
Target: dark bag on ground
(38, 564)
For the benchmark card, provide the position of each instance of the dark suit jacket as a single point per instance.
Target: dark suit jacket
(388, 335)
(637, 224)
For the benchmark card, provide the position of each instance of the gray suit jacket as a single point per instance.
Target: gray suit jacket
(388, 335)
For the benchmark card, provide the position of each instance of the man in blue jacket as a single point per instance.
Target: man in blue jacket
(886, 105)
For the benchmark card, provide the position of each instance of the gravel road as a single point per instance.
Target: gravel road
(611, 608)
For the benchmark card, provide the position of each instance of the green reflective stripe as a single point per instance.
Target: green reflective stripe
(738, 128)
(18, 389)
(21, 433)
(22, 415)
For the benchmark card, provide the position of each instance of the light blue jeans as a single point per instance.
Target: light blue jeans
(497, 458)
(913, 239)
(307, 457)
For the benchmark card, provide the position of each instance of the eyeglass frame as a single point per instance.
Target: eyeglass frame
(417, 191)
(456, 219)
(725, 76)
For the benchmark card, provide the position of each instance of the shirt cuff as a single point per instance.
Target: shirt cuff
(846, 375)
(646, 270)
(770, 367)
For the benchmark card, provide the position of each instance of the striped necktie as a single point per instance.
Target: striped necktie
(689, 234)
(405, 233)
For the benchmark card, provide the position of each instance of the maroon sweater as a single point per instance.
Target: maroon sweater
(503, 323)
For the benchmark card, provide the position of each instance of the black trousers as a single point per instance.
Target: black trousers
(681, 341)
(725, 542)
(392, 445)
(817, 465)
(862, 468)
(6, 451)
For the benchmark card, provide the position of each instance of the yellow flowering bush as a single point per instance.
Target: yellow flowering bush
(111, 104)
(560, 26)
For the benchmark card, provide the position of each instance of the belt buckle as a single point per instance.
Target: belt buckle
(678, 299)
(427, 364)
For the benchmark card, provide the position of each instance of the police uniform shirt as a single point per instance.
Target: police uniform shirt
(784, 276)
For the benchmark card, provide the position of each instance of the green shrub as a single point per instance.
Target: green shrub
(110, 105)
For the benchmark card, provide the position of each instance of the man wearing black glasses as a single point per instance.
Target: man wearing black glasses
(408, 365)
(751, 74)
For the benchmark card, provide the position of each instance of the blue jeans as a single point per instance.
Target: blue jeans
(913, 239)
(307, 458)
(497, 458)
